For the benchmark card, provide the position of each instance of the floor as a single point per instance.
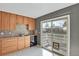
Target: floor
(33, 51)
(49, 48)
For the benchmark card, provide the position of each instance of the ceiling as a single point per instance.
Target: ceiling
(32, 9)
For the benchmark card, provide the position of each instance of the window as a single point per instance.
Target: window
(46, 24)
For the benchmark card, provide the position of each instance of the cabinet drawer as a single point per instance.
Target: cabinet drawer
(27, 41)
(10, 39)
(27, 37)
(9, 42)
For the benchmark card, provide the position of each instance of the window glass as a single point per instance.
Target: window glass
(46, 24)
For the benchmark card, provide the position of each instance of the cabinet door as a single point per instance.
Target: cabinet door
(5, 21)
(0, 22)
(0, 47)
(12, 21)
(26, 20)
(0, 43)
(27, 41)
(20, 42)
(32, 24)
(19, 19)
(4, 51)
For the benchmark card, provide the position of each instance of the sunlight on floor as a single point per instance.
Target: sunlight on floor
(46, 53)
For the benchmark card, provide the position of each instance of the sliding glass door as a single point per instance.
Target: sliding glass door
(55, 35)
(46, 37)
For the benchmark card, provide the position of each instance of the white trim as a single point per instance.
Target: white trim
(68, 35)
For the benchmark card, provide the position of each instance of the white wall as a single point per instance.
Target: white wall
(32, 9)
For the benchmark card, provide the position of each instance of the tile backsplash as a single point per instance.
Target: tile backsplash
(20, 30)
(7, 33)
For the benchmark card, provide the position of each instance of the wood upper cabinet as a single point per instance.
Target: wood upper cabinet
(12, 21)
(8, 21)
(5, 21)
(0, 22)
(32, 24)
(19, 19)
(26, 21)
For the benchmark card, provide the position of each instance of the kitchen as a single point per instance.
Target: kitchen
(33, 29)
(16, 31)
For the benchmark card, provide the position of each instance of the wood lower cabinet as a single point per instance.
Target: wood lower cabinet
(27, 41)
(8, 45)
(3, 51)
(9, 41)
(11, 44)
(20, 42)
(11, 48)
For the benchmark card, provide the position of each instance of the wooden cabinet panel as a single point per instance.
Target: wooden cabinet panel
(13, 43)
(27, 41)
(8, 45)
(32, 24)
(9, 41)
(26, 20)
(0, 52)
(12, 48)
(4, 41)
(20, 42)
(19, 19)
(0, 22)
(0, 43)
(8, 21)
(5, 21)
(3, 51)
(12, 21)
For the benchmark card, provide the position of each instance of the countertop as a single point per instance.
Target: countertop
(14, 36)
